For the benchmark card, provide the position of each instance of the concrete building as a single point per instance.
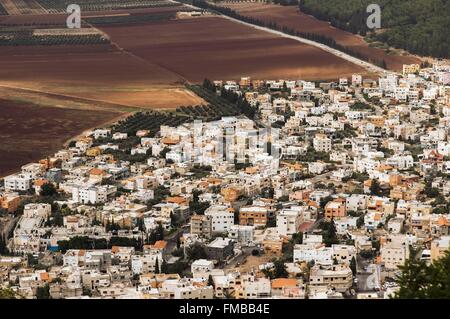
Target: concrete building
(322, 143)
(201, 225)
(220, 248)
(222, 218)
(288, 222)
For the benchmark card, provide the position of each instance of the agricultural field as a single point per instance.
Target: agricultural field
(63, 36)
(18, 7)
(38, 7)
(58, 6)
(150, 121)
(30, 132)
(99, 72)
(130, 18)
(215, 108)
(291, 17)
(216, 48)
(2, 10)
(38, 53)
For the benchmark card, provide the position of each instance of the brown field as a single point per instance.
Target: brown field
(18, 7)
(31, 7)
(217, 48)
(98, 72)
(29, 132)
(291, 17)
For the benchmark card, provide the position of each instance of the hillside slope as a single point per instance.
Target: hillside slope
(419, 26)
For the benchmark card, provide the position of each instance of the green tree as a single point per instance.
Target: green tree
(280, 269)
(418, 280)
(353, 265)
(375, 188)
(87, 292)
(157, 266)
(297, 238)
(7, 293)
(3, 248)
(160, 232)
(207, 84)
(48, 190)
(164, 267)
(210, 281)
(196, 251)
(329, 233)
(43, 292)
(178, 242)
(360, 221)
(430, 191)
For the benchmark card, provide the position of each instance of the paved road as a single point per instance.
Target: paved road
(8, 225)
(369, 280)
(320, 178)
(233, 263)
(172, 239)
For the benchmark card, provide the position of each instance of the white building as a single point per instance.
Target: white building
(202, 266)
(316, 167)
(288, 222)
(322, 143)
(242, 234)
(92, 194)
(222, 218)
(256, 288)
(356, 202)
(401, 162)
(143, 264)
(313, 252)
(18, 182)
(345, 224)
(395, 251)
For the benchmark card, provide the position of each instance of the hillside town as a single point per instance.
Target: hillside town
(317, 190)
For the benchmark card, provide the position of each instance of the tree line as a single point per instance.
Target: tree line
(418, 26)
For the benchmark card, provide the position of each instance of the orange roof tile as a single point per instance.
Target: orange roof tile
(442, 221)
(203, 184)
(313, 204)
(284, 282)
(96, 171)
(40, 182)
(169, 141)
(176, 200)
(160, 244)
(115, 249)
(44, 276)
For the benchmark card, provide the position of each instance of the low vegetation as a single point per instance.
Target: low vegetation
(21, 36)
